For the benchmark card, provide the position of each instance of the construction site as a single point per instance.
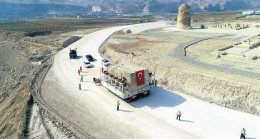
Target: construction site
(205, 66)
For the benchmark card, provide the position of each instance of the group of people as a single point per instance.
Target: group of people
(96, 80)
(154, 82)
(79, 70)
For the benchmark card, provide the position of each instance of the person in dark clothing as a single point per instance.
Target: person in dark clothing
(79, 86)
(243, 134)
(80, 68)
(81, 78)
(117, 108)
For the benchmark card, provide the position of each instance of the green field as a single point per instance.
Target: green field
(64, 24)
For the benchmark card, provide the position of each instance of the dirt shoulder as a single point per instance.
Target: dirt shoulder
(13, 111)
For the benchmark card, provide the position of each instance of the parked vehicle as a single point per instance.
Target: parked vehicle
(128, 31)
(87, 64)
(128, 81)
(89, 58)
(73, 53)
(105, 62)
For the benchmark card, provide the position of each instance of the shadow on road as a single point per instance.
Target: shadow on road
(198, 28)
(159, 97)
(78, 57)
(187, 121)
(125, 110)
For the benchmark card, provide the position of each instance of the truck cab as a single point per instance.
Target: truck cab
(73, 53)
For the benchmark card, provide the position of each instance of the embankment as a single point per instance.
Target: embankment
(226, 93)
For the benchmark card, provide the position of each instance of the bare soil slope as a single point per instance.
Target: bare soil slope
(13, 112)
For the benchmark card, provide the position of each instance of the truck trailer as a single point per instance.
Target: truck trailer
(128, 81)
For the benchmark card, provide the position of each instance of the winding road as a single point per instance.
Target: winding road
(180, 53)
(91, 112)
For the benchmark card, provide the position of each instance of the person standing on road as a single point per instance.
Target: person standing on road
(79, 86)
(155, 83)
(99, 81)
(102, 69)
(79, 72)
(243, 134)
(118, 105)
(178, 115)
(81, 78)
(80, 68)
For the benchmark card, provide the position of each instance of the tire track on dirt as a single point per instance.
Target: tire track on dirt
(37, 95)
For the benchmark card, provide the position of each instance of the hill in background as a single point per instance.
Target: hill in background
(17, 9)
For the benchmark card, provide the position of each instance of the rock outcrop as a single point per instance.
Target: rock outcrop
(184, 18)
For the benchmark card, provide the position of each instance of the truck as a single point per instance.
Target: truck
(128, 81)
(73, 53)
